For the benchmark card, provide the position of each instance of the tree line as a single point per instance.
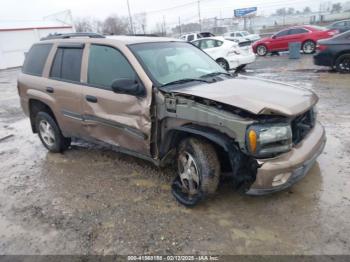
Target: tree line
(113, 25)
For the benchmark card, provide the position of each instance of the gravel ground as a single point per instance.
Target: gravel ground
(90, 200)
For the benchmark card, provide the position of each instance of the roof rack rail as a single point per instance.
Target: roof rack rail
(70, 35)
(153, 35)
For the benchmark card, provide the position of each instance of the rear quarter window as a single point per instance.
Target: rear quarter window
(36, 58)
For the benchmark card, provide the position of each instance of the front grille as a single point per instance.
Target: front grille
(302, 124)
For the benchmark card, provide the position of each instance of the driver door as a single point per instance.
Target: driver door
(118, 119)
(280, 42)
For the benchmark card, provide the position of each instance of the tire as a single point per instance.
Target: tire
(223, 63)
(342, 64)
(50, 134)
(308, 47)
(198, 169)
(261, 50)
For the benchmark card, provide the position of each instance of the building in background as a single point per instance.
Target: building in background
(16, 37)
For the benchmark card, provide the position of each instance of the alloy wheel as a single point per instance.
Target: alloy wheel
(261, 50)
(47, 133)
(344, 65)
(188, 173)
(309, 47)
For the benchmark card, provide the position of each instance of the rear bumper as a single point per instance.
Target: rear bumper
(282, 172)
(237, 60)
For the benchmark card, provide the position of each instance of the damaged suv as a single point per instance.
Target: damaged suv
(166, 101)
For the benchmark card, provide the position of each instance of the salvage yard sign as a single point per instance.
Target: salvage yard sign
(245, 11)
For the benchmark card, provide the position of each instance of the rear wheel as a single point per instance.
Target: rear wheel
(198, 170)
(342, 64)
(309, 47)
(223, 63)
(261, 50)
(50, 134)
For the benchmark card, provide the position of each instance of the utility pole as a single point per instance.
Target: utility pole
(180, 26)
(130, 18)
(164, 26)
(199, 15)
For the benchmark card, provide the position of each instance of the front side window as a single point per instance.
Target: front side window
(67, 64)
(166, 62)
(196, 43)
(107, 64)
(36, 59)
(282, 33)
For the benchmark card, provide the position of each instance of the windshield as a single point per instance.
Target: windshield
(244, 33)
(167, 62)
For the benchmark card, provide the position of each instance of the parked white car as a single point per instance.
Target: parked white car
(227, 53)
(194, 36)
(242, 36)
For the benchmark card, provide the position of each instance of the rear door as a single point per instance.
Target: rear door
(118, 119)
(297, 35)
(211, 47)
(64, 85)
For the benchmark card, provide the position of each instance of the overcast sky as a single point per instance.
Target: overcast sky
(156, 9)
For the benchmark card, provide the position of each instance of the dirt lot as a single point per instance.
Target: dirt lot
(93, 201)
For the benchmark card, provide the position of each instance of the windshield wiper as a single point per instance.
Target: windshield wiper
(185, 80)
(215, 74)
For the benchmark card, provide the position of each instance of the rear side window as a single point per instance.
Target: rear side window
(107, 64)
(67, 64)
(190, 38)
(36, 59)
(296, 31)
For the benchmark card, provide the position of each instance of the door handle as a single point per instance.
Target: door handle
(92, 99)
(50, 89)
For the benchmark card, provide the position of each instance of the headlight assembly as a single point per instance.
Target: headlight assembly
(267, 140)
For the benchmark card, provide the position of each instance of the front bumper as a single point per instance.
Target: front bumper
(293, 165)
(323, 59)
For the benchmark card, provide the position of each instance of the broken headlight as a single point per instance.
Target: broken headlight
(267, 140)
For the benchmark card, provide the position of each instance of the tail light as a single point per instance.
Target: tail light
(321, 47)
(333, 32)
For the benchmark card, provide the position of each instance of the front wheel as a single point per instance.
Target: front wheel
(261, 50)
(198, 169)
(309, 47)
(342, 64)
(50, 134)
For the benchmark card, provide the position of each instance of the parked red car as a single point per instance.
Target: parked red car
(306, 35)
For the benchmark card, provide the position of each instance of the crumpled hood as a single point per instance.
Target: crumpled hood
(255, 95)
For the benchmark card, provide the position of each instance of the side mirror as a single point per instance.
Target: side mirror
(273, 37)
(128, 86)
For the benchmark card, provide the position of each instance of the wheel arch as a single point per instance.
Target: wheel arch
(306, 40)
(36, 106)
(224, 145)
(339, 54)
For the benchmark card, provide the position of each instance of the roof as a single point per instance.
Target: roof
(30, 25)
(122, 39)
(142, 39)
